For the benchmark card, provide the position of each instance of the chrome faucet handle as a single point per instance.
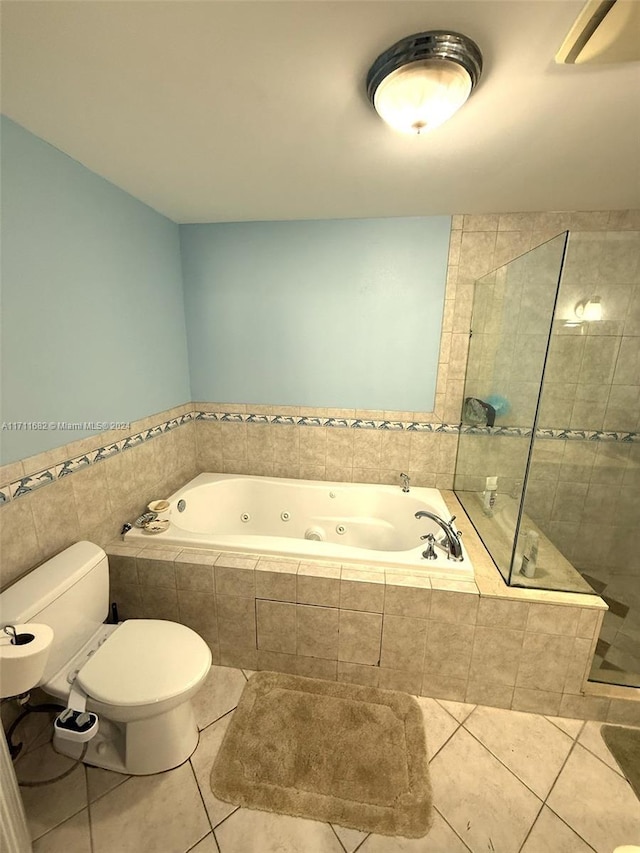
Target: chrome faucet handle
(429, 553)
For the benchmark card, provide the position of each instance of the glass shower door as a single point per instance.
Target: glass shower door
(511, 324)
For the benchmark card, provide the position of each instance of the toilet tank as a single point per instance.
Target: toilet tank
(70, 593)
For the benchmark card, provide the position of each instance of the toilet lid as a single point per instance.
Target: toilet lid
(145, 661)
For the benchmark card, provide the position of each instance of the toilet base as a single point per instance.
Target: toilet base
(141, 747)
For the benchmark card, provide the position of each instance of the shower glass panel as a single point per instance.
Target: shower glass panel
(510, 329)
(548, 466)
(583, 487)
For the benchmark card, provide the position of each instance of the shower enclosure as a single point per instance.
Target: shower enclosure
(548, 460)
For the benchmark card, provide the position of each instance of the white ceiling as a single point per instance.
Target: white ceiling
(222, 111)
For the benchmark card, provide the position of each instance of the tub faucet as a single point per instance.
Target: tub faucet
(451, 542)
(405, 483)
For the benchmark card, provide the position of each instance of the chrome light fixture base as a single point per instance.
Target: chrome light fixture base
(430, 54)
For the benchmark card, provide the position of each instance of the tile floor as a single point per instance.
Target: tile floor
(503, 781)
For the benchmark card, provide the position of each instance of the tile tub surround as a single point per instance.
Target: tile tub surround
(89, 488)
(480, 642)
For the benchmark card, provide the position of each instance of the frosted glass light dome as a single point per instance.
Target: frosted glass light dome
(421, 96)
(422, 80)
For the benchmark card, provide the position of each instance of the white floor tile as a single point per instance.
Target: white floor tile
(591, 739)
(218, 695)
(569, 726)
(549, 833)
(439, 725)
(207, 845)
(459, 710)
(148, 814)
(248, 831)
(100, 781)
(48, 806)
(596, 802)
(440, 839)
(202, 761)
(72, 836)
(349, 838)
(528, 744)
(487, 806)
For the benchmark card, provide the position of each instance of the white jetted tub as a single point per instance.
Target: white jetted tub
(309, 519)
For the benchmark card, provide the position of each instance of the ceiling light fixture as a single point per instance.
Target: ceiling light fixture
(422, 80)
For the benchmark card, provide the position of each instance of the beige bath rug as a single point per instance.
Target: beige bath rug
(351, 755)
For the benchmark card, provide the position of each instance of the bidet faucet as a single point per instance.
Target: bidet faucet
(451, 542)
(405, 483)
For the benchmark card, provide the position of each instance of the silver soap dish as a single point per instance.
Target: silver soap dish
(144, 520)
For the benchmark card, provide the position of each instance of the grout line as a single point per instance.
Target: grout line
(533, 823)
(89, 818)
(104, 793)
(575, 832)
(560, 729)
(451, 715)
(513, 773)
(217, 720)
(225, 819)
(573, 746)
(359, 847)
(441, 747)
(585, 747)
(199, 840)
(204, 805)
(337, 836)
(436, 809)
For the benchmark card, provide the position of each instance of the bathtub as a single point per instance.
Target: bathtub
(306, 519)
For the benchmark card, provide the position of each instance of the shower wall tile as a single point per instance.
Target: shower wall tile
(362, 590)
(536, 701)
(159, 603)
(276, 585)
(317, 668)
(444, 687)
(232, 578)
(159, 572)
(396, 679)
(356, 673)
(448, 649)
(276, 626)
(236, 623)
(544, 662)
(496, 655)
(360, 636)
(317, 631)
(19, 544)
(197, 610)
(403, 643)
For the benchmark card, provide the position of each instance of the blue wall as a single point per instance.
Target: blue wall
(92, 306)
(343, 313)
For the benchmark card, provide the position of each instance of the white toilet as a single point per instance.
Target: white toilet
(138, 677)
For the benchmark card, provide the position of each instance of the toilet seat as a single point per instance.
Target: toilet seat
(143, 662)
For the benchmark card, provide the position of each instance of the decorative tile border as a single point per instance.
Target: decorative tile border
(339, 423)
(556, 434)
(32, 482)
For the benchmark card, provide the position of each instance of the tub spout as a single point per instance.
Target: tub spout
(405, 482)
(451, 542)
